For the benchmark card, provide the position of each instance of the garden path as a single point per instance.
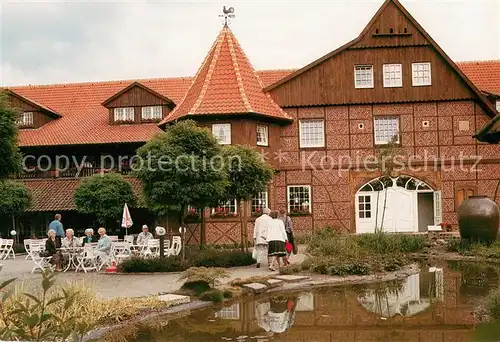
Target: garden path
(121, 285)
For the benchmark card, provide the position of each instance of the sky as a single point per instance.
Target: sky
(70, 41)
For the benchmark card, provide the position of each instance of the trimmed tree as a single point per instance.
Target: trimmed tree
(104, 196)
(10, 158)
(248, 175)
(182, 167)
(15, 199)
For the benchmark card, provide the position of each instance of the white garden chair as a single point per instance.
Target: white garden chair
(176, 245)
(121, 251)
(27, 243)
(129, 238)
(105, 260)
(166, 248)
(152, 248)
(113, 238)
(40, 262)
(6, 249)
(87, 261)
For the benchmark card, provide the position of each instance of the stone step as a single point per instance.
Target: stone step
(173, 299)
(255, 287)
(275, 282)
(291, 278)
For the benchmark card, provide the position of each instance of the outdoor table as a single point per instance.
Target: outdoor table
(72, 253)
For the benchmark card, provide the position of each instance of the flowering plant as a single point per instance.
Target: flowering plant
(257, 212)
(222, 213)
(446, 226)
(299, 212)
(192, 214)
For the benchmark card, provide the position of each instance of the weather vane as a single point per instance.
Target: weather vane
(226, 14)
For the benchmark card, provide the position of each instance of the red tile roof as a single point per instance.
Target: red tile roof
(85, 121)
(484, 74)
(226, 83)
(53, 194)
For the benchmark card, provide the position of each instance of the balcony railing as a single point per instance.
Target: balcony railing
(70, 173)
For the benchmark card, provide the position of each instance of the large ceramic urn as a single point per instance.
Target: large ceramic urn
(478, 219)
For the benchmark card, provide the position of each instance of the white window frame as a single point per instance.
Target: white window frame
(151, 113)
(229, 312)
(228, 204)
(385, 140)
(226, 126)
(262, 196)
(289, 200)
(359, 82)
(303, 131)
(361, 206)
(419, 80)
(393, 75)
(125, 114)
(498, 106)
(264, 135)
(25, 119)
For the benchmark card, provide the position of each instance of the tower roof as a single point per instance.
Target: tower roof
(226, 84)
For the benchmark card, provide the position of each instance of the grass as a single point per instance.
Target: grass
(493, 304)
(468, 248)
(336, 254)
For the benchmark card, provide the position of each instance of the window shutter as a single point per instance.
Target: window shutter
(438, 213)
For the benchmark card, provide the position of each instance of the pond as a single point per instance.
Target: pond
(435, 305)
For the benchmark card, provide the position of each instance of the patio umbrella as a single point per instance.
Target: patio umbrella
(126, 219)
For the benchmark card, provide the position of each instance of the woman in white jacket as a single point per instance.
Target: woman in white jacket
(276, 237)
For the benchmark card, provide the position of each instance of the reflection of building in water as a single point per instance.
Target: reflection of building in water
(229, 312)
(276, 314)
(408, 300)
(305, 302)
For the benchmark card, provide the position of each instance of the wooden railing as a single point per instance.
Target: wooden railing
(70, 173)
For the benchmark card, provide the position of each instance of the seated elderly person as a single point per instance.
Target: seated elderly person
(89, 236)
(144, 237)
(51, 249)
(103, 245)
(70, 240)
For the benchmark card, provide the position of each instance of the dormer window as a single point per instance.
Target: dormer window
(151, 113)
(124, 114)
(25, 119)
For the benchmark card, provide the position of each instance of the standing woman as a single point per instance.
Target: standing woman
(51, 249)
(276, 236)
(287, 221)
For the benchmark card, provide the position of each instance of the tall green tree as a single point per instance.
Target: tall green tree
(248, 175)
(15, 198)
(181, 167)
(10, 158)
(104, 196)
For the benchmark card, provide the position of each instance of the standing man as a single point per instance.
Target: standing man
(57, 226)
(259, 236)
(143, 238)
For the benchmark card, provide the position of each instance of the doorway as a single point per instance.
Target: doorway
(425, 207)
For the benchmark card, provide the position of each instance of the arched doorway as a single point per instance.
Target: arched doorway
(401, 204)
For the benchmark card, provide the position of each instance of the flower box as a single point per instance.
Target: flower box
(222, 213)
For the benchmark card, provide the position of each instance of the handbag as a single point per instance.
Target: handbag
(254, 254)
(288, 247)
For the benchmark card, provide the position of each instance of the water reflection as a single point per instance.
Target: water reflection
(433, 306)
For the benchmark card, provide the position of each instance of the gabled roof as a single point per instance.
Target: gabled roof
(485, 104)
(490, 133)
(53, 194)
(139, 85)
(86, 121)
(226, 84)
(41, 107)
(484, 74)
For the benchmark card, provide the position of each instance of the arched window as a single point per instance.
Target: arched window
(403, 181)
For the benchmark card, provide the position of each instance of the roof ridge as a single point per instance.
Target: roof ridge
(217, 45)
(478, 61)
(237, 72)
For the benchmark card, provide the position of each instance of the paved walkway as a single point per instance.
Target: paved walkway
(119, 285)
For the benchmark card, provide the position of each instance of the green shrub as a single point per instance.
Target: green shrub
(467, 247)
(493, 304)
(210, 275)
(290, 269)
(197, 286)
(213, 295)
(194, 258)
(227, 294)
(382, 243)
(150, 265)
